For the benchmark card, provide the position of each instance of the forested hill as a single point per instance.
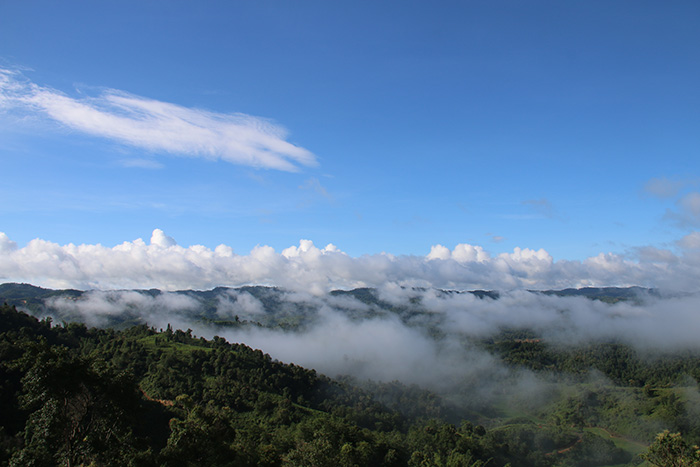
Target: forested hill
(121, 394)
(82, 396)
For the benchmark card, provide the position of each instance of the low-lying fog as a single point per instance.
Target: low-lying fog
(415, 336)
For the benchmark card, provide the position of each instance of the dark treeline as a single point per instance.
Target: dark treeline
(72, 395)
(622, 364)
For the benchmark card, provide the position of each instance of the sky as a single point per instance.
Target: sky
(495, 144)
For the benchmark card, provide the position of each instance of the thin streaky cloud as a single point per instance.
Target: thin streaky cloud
(314, 185)
(159, 126)
(543, 207)
(141, 164)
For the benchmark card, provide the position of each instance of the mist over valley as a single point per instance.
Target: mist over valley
(576, 361)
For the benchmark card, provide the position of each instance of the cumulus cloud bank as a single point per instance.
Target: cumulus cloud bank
(164, 264)
(159, 126)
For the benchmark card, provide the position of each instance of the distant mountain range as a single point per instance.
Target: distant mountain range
(12, 291)
(258, 305)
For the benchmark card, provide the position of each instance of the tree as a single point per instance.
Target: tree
(80, 413)
(671, 450)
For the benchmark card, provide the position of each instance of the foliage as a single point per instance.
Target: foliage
(73, 395)
(671, 450)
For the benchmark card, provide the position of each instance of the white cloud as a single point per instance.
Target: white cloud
(658, 255)
(690, 241)
(158, 238)
(162, 263)
(439, 252)
(663, 187)
(6, 245)
(690, 205)
(688, 210)
(159, 126)
(463, 253)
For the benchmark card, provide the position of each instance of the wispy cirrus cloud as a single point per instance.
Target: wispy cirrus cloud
(542, 207)
(314, 185)
(159, 126)
(141, 164)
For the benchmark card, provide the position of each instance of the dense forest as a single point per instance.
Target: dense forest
(138, 395)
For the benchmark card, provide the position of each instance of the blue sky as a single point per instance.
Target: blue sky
(392, 127)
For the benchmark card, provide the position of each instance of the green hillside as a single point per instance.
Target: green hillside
(134, 395)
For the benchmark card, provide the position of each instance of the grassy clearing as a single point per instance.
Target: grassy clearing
(160, 343)
(631, 446)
